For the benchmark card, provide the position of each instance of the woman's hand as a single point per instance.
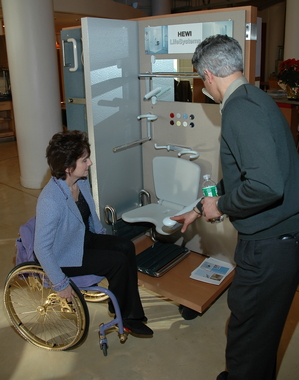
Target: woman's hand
(186, 219)
(67, 293)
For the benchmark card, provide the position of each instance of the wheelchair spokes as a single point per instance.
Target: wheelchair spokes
(39, 315)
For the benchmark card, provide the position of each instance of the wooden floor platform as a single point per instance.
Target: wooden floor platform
(177, 284)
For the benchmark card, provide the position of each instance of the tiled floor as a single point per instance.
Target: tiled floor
(180, 349)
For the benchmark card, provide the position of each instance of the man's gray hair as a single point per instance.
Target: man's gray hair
(220, 54)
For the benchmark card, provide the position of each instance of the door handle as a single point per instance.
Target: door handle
(74, 42)
(75, 54)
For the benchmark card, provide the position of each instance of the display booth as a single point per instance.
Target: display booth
(133, 89)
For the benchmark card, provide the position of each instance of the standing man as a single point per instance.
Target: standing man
(260, 194)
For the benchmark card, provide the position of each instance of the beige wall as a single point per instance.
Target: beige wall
(291, 46)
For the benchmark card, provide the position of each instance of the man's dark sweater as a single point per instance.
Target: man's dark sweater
(260, 166)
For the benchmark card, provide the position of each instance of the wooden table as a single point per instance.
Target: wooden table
(178, 286)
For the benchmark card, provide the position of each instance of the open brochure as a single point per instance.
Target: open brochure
(212, 271)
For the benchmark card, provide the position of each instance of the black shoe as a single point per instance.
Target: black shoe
(187, 313)
(222, 376)
(137, 327)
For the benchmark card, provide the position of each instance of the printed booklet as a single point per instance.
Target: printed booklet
(212, 271)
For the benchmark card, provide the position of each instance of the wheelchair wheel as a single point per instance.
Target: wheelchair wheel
(39, 315)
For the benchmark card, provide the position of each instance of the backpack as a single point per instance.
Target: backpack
(25, 242)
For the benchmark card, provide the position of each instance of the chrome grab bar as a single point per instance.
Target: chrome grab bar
(109, 209)
(146, 194)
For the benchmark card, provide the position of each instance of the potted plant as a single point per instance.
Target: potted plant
(288, 76)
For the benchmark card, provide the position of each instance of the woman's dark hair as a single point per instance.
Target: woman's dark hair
(64, 149)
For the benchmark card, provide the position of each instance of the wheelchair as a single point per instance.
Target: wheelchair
(47, 321)
(44, 319)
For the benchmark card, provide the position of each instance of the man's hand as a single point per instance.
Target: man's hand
(209, 208)
(186, 219)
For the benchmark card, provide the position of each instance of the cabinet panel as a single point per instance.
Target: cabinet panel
(7, 125)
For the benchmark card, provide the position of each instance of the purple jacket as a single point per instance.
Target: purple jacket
(60, 230)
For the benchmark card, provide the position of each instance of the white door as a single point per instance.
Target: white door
(111, 68)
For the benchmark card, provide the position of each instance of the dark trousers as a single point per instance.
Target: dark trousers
(114, 258)
(266, 278)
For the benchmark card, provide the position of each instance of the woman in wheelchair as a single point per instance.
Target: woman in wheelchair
(70, 239)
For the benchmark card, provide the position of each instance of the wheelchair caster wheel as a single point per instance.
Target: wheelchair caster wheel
(104, 347)
(123, 338)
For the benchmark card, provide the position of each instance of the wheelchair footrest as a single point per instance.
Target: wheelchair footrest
(159, 258)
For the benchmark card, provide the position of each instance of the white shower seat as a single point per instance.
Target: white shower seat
(176, 183)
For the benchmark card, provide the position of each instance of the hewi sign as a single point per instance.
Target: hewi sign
(185, 34)
(182, 38)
